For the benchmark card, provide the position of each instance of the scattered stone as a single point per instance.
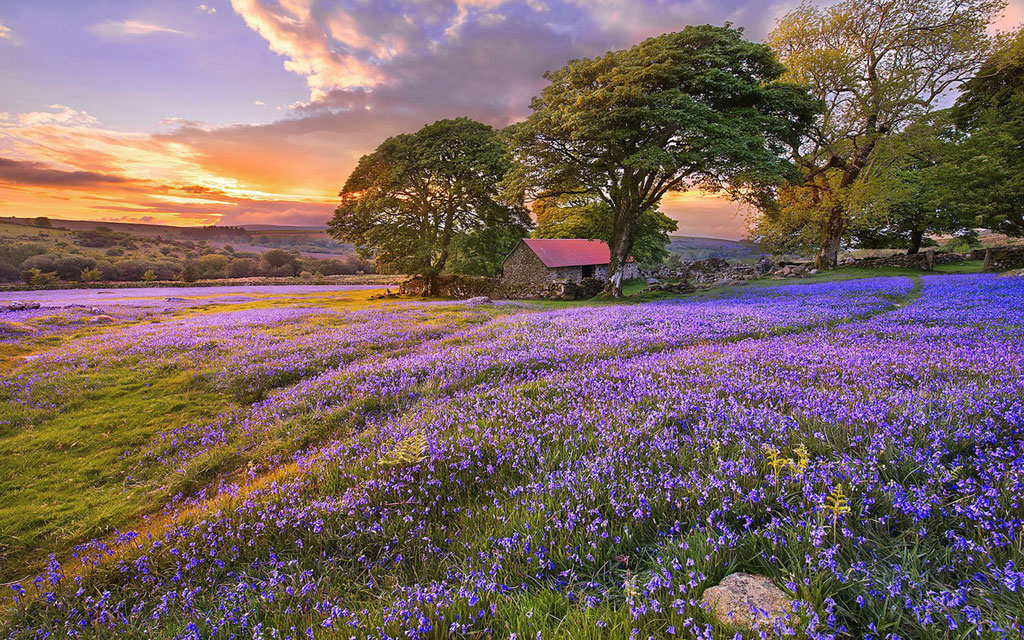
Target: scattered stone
(747, 600)
(19, 305)
(100, 319)
(681, 287)
(8, 326)
(478, 300)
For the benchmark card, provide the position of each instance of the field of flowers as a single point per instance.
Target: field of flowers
(318, 467)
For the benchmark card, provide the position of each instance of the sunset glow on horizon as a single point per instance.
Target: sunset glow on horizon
(255, 111)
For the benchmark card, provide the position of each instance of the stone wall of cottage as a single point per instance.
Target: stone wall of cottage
(523, 265)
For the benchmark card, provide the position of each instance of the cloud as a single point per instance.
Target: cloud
(292, 30)
(350, 46)
(63, 163)
(61, 115)
(27, 172)
(130, 28)
(5, 32)
(372, 70)
(207, 9)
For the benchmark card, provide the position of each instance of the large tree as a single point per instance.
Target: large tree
(877, 65)
(988, 168)
(700, 108)
(416, 195)
(910, 195)
(590, 217)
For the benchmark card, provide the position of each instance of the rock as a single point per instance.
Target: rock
(747, 600)
(95, 311)
(478, 300)
(7, 326)
(100, 319)
(764, 265)
(174, 299)
(19, 305)
(812, 272)
(652, 281)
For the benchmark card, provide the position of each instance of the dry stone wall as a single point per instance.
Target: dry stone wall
(1003, 258)
(464, 287)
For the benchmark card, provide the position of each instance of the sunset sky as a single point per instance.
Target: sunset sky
(255, 111)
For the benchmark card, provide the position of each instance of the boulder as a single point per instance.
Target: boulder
(652, 281)
(9, 327)
(747, 600)
(478, 300)
(100, 319)
(19, 305)
(764, 265)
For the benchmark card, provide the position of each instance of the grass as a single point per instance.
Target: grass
(64, 481)
(64, 478)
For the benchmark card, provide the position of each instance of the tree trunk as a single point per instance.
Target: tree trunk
(831, 237)
(916, 236)
(432, 287)
(621, 246)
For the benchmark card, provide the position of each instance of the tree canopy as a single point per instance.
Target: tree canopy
(699, 108)
(590, 217)
(877, 66)
(987, 164)
(416, 195)
(910, 193)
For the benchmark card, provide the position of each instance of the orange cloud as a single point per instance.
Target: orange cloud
(63, 163)
(291, 29)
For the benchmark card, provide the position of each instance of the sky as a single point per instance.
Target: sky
(255, 111)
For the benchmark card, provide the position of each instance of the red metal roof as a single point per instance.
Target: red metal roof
(554, 252)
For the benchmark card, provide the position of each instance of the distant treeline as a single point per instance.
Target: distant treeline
(234, 234)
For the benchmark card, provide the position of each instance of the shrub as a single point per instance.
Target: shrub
(37, 278)
(212, 265)
(44, 263)
(149, 276)
(278, 262)
(241, 268)
(190, 273)
(9, 273)
(71, 267)
(91, 275)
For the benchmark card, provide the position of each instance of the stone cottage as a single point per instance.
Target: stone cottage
(540, 260)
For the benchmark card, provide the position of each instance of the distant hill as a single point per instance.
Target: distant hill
(310, 242)
(50, 251)
(693, 248)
